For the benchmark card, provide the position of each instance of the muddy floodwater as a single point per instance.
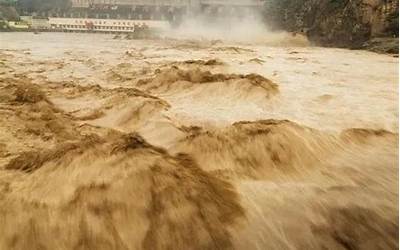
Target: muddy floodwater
(195, 144)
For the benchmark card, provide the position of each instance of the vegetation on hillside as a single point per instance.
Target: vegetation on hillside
(39, 6)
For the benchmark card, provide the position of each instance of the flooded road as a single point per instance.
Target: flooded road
(195, 144)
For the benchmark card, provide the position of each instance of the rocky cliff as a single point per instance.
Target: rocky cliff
(339, 23)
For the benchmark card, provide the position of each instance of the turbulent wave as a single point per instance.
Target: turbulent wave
(114, 187)
(201, 84)
(258, 149)
(164, 157)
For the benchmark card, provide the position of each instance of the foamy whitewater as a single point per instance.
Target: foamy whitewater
(196, 142)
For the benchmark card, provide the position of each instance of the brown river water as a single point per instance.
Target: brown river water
(195, 144)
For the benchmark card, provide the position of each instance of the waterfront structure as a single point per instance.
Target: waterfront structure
(130, 15)
(18, 25)
(36, 22)
(132, 3)
(171, 10)
(158, 3)
(104, 25)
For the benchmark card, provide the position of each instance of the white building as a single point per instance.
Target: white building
(103, 25)
(35, 22)
(170, 3)
(18, 25)
(88, 3)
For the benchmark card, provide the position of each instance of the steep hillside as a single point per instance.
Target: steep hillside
(338, 23)
(8, 12)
